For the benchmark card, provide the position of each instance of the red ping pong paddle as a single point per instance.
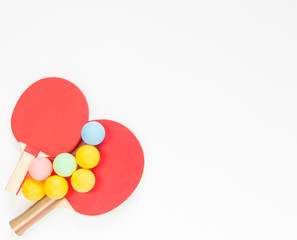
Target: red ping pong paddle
(46, 121)
(117, 175)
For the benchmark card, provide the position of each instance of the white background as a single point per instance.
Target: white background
(208, 87)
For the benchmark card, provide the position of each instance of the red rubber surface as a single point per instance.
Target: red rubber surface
(49, 116)
(117, 174)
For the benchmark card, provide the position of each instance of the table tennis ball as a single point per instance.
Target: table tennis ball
(87, 156)
(93, 133)
(65, 164)
(83, 180)
(40, 168)
(33, 190)
(56, 187)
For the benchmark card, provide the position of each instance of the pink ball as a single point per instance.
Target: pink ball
(40, 168)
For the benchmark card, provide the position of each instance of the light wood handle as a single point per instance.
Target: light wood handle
(21, 171)
(18, 176)
(21, 223)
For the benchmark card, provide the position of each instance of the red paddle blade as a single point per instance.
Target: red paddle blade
(47, 120)
(49, 116)
(117, 174)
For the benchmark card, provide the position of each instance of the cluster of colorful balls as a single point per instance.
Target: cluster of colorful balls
(43, 182)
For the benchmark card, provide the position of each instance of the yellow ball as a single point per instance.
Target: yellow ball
(83, 180)
(87, 156)
(56, 187)
(33, 190)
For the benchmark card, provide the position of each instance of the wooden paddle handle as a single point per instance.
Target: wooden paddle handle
(20, 173)
(21, 223)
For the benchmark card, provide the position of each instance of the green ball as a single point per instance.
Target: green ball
(65, 164)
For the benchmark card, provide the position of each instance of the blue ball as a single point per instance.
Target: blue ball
(93, 133)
